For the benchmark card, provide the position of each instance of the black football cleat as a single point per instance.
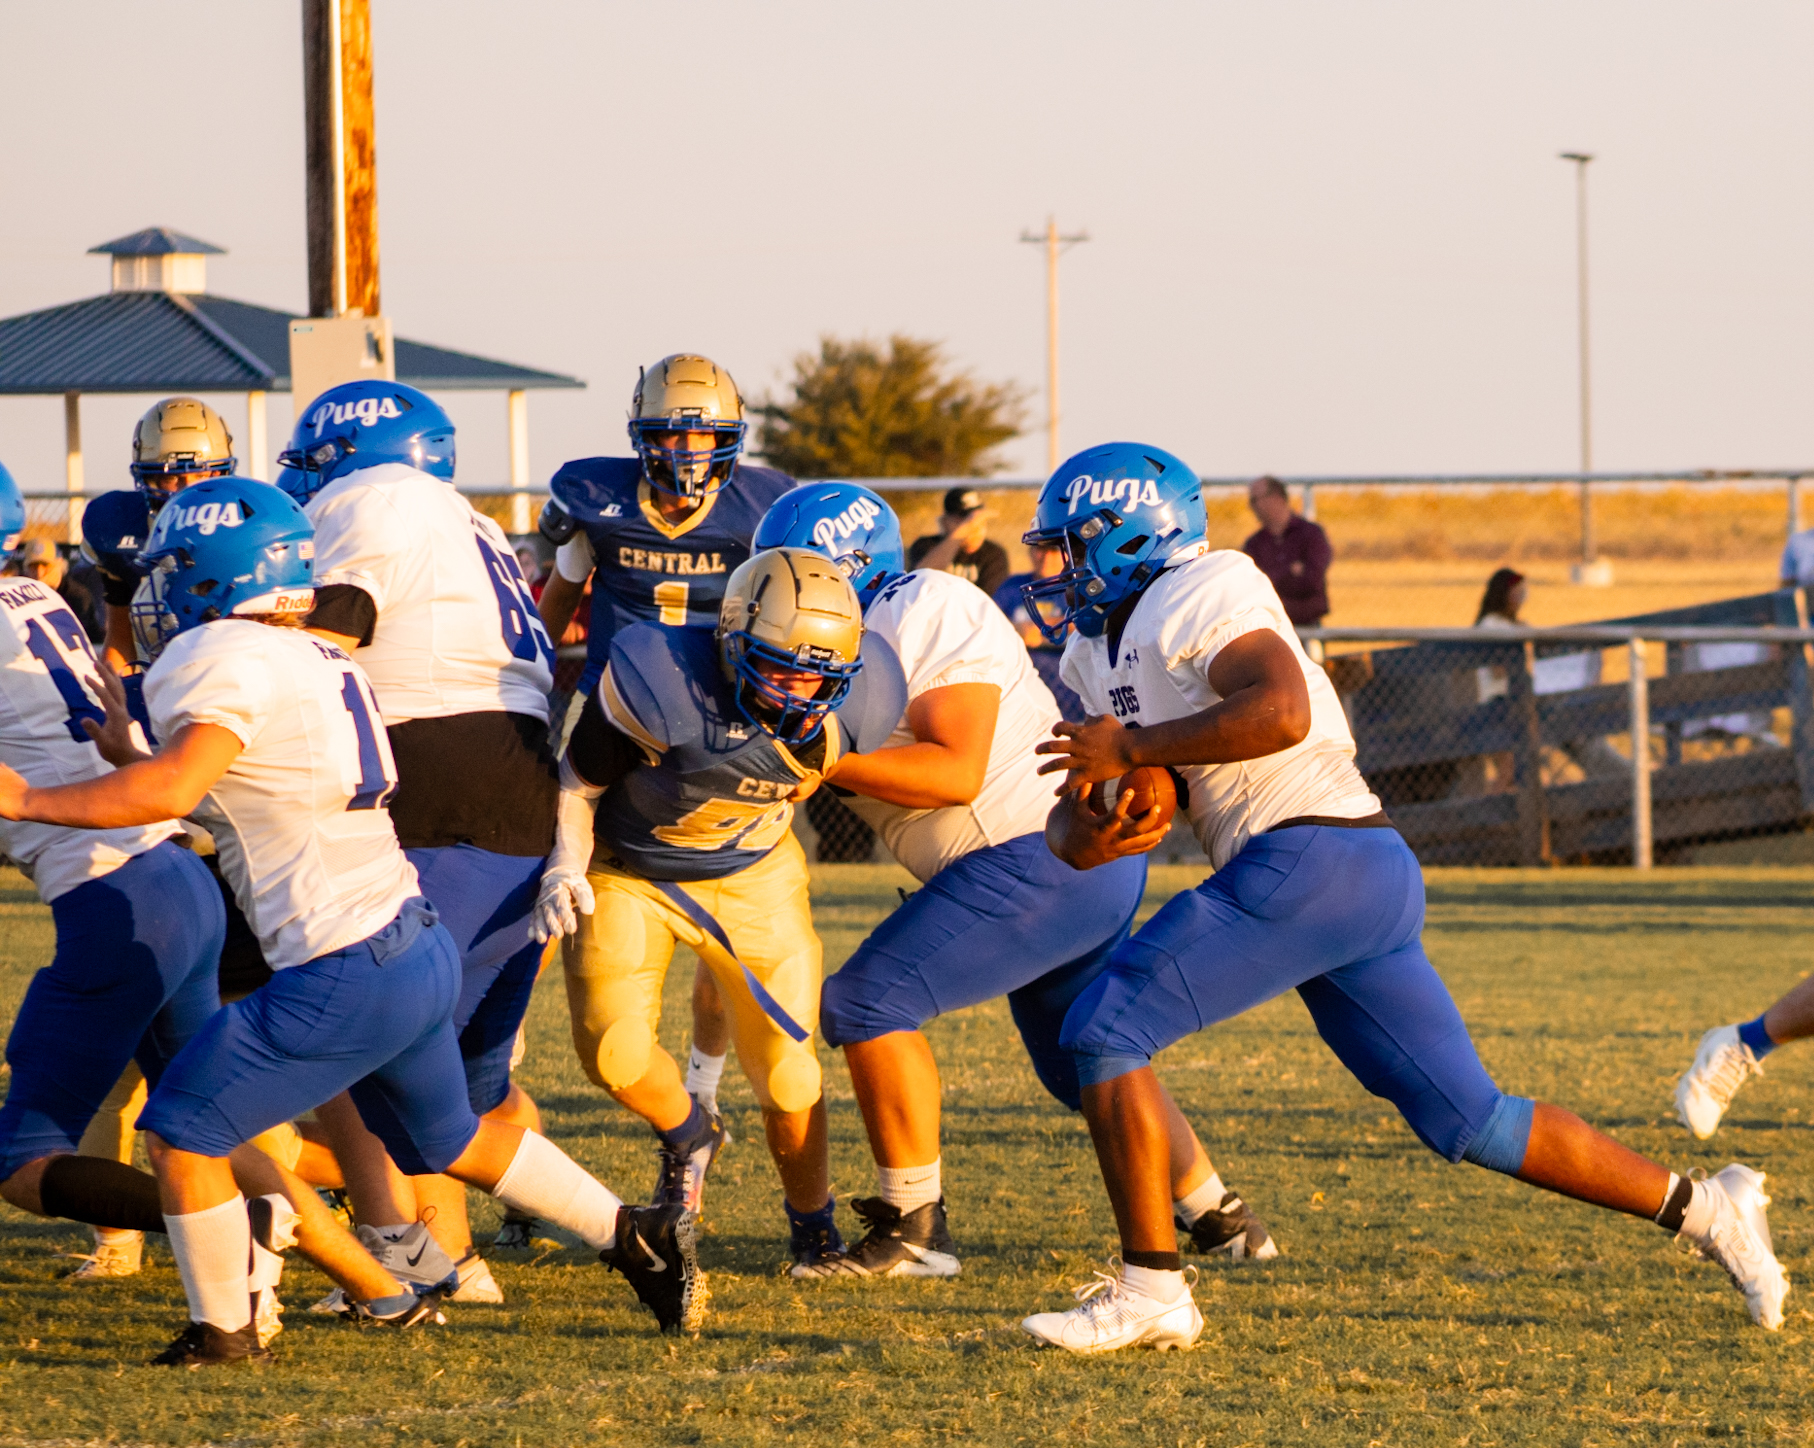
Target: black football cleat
(682, 1175)
(656, 1252)
(203, 1345)
(410, 1308)
(1233, 1229)
(914, 1244)
(809, 1245)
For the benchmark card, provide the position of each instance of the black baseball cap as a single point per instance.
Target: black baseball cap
(963, 500)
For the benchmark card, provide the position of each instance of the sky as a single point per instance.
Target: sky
(1324, 237)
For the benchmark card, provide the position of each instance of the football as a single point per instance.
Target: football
(1152, 786)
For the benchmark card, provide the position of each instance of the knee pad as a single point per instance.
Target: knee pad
(795, 1081)
(623, 1053)
(1504, 1137)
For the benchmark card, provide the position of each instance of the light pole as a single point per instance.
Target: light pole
(1588, 571)
(1054, 245)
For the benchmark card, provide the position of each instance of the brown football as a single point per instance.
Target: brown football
(1151, 785)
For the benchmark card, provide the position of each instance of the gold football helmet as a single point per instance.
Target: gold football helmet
(790, 612)
(679, 397)
(180, 441)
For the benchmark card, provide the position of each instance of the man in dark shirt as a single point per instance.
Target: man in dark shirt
(961, 545)
(1290, 550)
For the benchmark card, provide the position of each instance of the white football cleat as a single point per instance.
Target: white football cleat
(476, 1282)
(1108, 1317)
(1739, 1240)
(119, 1254)
(1722, 1064)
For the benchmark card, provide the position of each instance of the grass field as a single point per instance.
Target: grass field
(1415, 1303)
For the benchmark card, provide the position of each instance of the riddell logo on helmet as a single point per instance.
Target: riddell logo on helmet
(1105, 492)
(365, 411)
(203, 517)
(858, 516)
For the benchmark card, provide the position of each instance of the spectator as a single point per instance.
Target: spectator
(535, 572)
(80, 590)
(1798, 560)
(1045, 655)
(1505, 594)
(962, 545)
(1290, 550)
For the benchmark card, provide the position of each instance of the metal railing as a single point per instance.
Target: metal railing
(1774, 675)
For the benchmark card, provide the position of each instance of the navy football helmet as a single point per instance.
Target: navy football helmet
(361, 424)
(12, 517)
(848, 524)
(1120, 513)
(230, 546)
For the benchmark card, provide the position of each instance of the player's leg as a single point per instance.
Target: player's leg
(417, 1103)
(770, 986)
(132, 978)
(1730, 1055)
(1283, 907)
(711, 1041)
(111, 1136)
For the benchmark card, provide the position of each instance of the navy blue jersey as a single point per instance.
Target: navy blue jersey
(647, 569)
(712, 798)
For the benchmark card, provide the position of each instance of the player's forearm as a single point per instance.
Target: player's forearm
(117, 647)
(915, 776)
(140, 794)
(559, 600)
(1248, 725)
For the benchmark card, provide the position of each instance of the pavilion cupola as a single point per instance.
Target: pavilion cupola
(158, 259)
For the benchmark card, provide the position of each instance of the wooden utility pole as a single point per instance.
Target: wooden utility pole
(1055, 245)
(341, 157)
(1580, 159)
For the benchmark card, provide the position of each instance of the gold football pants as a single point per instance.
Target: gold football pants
(617, 963)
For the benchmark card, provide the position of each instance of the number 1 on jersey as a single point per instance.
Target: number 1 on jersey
(375, 786)
(56, 663)
(671, 599)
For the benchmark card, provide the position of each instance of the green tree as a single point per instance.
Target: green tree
(859, 411)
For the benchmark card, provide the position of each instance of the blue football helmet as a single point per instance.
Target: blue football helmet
(230, 546)
(361, 424)
(1120, 513)
(848, 524)
(12, 517)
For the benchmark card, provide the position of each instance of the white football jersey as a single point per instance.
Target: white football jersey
(1161, 671)
(458, 631)
(49, 683)
(299, 817)
(948, 631)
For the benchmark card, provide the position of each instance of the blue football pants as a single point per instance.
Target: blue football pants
(1335, 914)
(1011, 919)
(133, 977)
(485, 901)
(375, 1018)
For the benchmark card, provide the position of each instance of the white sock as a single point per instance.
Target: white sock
(1200, 1200)
(908, 1187)
(1161, 1286)
(266, 1269)
(703, 1075)
(116, 1236)
(1697, 1221)
(543, 1181)
(212, 1249)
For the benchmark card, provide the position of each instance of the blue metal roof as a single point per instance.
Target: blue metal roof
(156, 241)
(166, 342)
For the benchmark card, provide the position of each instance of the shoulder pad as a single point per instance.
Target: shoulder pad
(663, 676)
(753, 481)
(114, 526)
(585, 487)
(877, 699)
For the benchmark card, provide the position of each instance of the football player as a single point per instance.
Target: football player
(1312, 890)
(677, 790)
(658, 533)
(956, 797)
(140, 926)
(427, 594)
(271, 736)
(178, 441)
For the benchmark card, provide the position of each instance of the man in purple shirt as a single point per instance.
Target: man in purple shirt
(1290, 550)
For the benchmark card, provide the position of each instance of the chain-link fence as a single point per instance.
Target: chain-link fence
(1623, 743)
